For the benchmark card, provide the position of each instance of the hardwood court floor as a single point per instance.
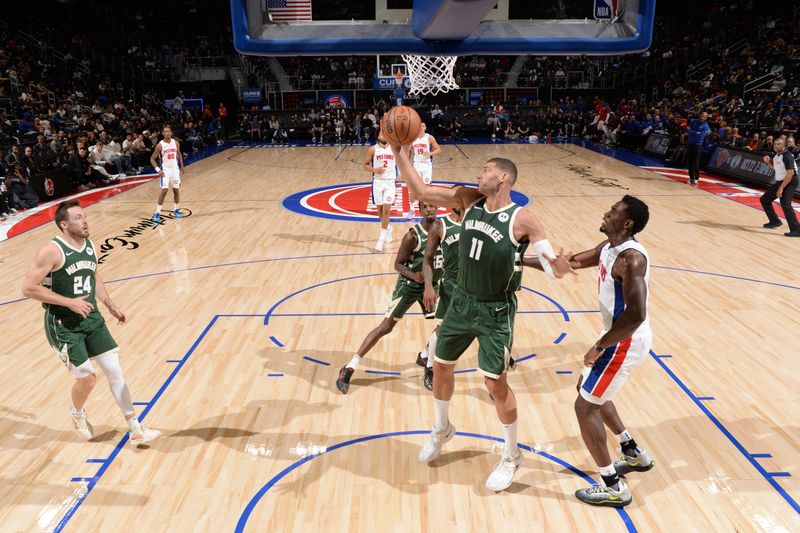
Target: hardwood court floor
(719, 410)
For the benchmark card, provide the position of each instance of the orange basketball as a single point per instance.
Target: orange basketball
(401, 125)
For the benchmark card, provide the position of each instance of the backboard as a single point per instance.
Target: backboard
(440, 27)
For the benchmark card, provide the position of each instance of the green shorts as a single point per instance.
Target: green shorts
(77, 339)
(404, 296)
(492, 323)
(446, 289)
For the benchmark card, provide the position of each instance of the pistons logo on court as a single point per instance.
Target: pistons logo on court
(49, 187)
(353, 202)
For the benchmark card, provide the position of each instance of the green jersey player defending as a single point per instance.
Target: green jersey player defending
(409, 289)
(64, 278)
(494, 235)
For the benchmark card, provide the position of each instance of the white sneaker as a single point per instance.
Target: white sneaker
(142, 434)
(379, 245)
(433, 446)
(503, 474)
(388, 237)
(82, 426)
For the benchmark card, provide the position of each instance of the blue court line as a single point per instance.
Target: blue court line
(102, 470)
(383, 372)
(292, 295)
(251, 505)
(563, 371)
(82, 479)
(465, 371)
(173, 360)
(521, 359)
(415, 313)
(555, 303)
(141, 403)
(740, 278)
(704, 398)
(96, 460)
(761, 455)
(664, 356)
(738, 445)
(278, 343)
(779, 474)
(560, 337)
(317, 361)
(340, 153)
(355, 254)
(274, 375)
(460, 150)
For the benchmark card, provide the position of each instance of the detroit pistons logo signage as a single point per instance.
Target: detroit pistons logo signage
(353, 202)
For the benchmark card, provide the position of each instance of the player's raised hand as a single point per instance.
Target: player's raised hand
(80, 306)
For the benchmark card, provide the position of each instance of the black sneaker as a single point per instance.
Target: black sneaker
(777, 224)
(343, 383)
(420, 361)
(793, 233)
(694, 182)
(427, 380)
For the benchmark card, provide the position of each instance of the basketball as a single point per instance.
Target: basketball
(401, 125)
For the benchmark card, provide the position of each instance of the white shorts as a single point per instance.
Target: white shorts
(425, 172)
(172, 178)
(602, 381)
(383, 191)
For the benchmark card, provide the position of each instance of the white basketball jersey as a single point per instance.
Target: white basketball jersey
(420, 146)
(612, 302)
(169, 154)
(384, 158)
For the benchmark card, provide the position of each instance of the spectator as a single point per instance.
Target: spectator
(98, 161)
(13, 157)
(696, 133)
(22, 194)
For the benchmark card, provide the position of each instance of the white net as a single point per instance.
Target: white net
(431, 74)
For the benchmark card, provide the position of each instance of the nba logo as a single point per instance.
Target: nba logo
(605, 9)
(336, 101)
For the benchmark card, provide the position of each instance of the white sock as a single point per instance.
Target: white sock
(510, 436)
(441, 408)
(174, 206)
(624, 436)
(608, 470)
(158, 208)
(383, 234)
(79, 413)
(132, 422)
(354, 361)
(430, 360)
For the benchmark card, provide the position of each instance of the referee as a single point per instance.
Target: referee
(696, 133)
(784, 187)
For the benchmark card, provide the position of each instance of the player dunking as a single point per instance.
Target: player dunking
(442, 239)
(380, 162)
(169, 150)
(422, 151)
(625, 341)
(494, 234)
(64, 278)
(408, 290)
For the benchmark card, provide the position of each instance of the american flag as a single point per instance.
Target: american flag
(289, 10)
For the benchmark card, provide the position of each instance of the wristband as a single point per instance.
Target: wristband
(158, 168)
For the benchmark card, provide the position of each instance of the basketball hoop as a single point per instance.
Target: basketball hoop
(431, 74)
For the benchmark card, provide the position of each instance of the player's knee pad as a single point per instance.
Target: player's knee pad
(82, 371)
(109, 364)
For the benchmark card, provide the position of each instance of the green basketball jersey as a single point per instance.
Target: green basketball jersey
(490, 259)
(75, 277)
(450, 239)
(418, 255)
